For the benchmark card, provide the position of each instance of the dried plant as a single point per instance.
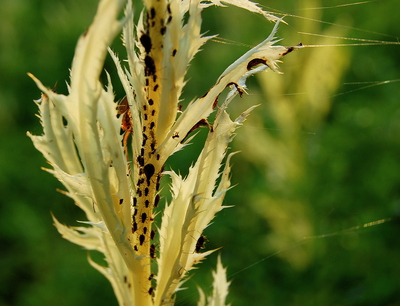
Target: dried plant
(114, 177)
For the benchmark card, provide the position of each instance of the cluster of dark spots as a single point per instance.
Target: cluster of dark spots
(151, 276)
(134, 227)
(152, 13)
(126, 281)
(153, 251)
(144, 230)
(151, 102)
(174, 52)
(156, 200)
(140, 160)
(65, 122)
(150, 68)
(144, 139)
(146, 203)
(146, 42)
(200, 243)
(140, 182)
(155, 87)
(153, 147)
(158, 181)
(134, 201)
(144, 217)
(151, 290)
(152, 234)
(256, 62)
(141, 239)
(121, 201)
(149, 171)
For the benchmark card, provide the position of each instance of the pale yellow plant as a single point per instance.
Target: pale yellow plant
(114, 178)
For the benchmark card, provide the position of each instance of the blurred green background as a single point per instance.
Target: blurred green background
(320, 156)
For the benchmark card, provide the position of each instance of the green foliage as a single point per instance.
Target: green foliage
(349, 166)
